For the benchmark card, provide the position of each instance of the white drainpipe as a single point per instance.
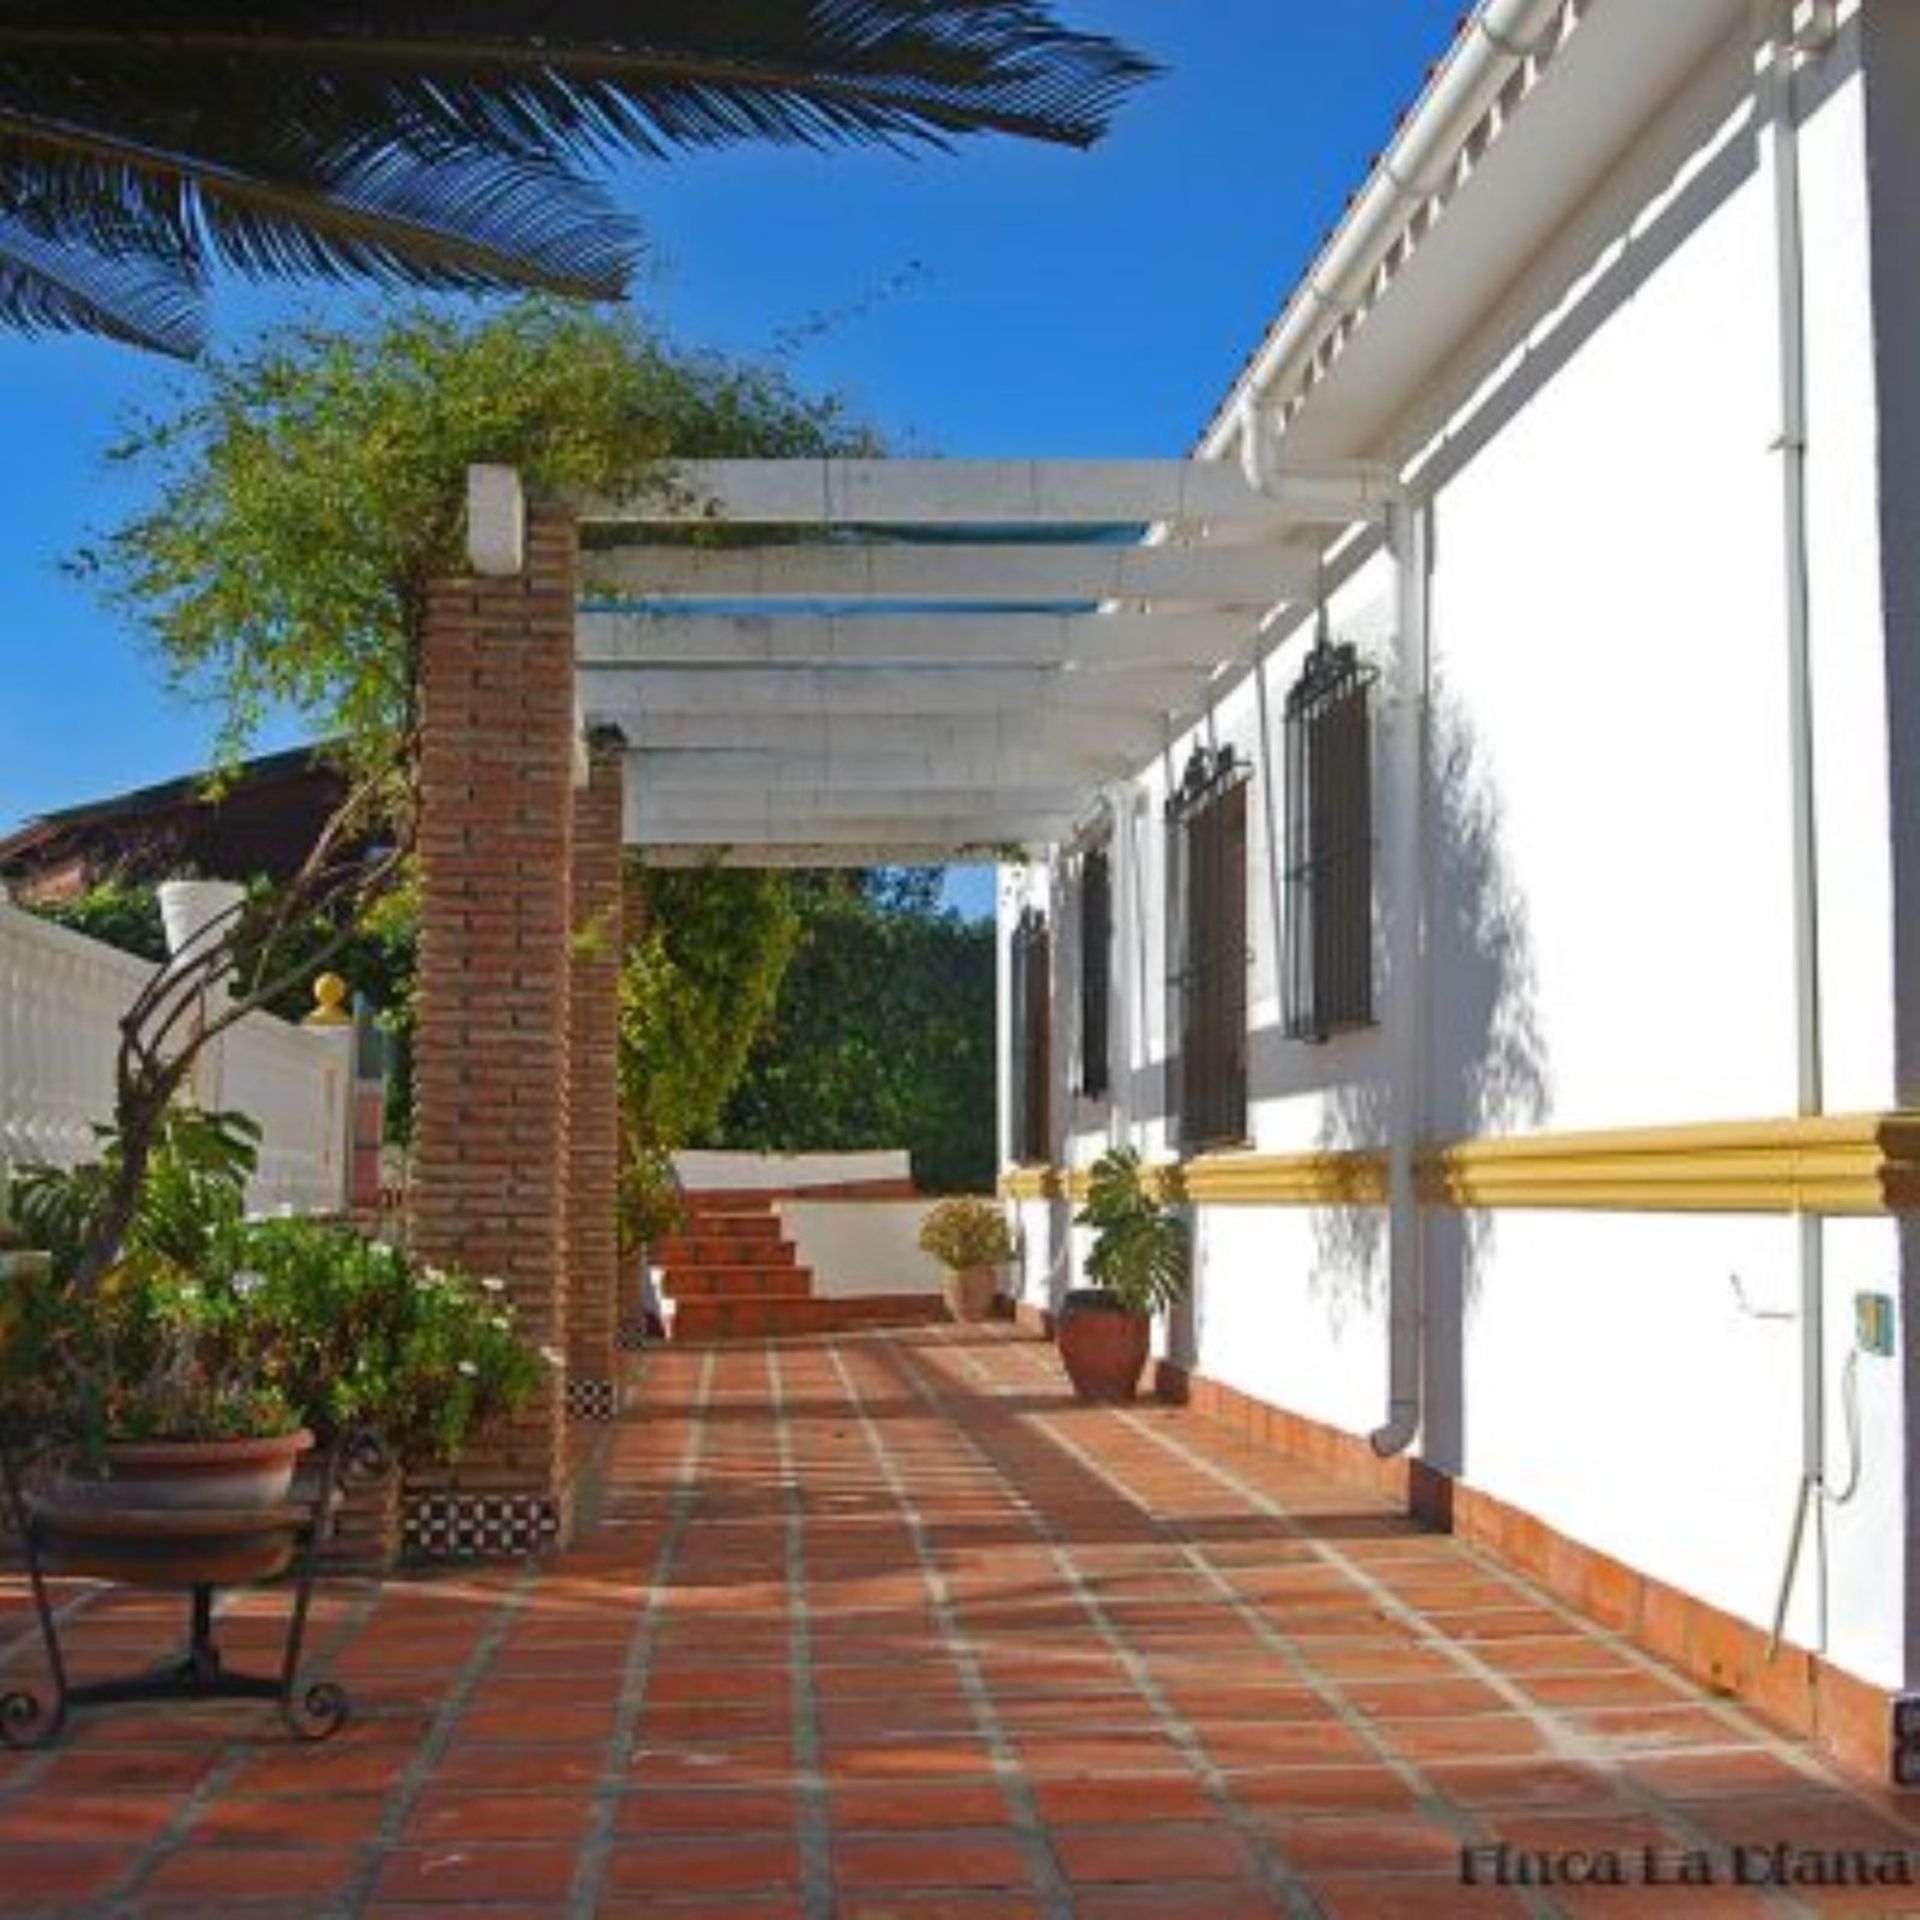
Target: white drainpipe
(1775, 109)
(1408, 534)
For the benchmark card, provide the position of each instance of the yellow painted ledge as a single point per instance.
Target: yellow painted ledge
(1866, 1163)
(1855, 1163)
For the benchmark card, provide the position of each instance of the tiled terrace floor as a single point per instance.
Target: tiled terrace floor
(886, 1628)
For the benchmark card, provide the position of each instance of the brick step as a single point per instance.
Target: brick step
(721, 1250)
(700, 1320)
(734, 1226)
(739, 1283)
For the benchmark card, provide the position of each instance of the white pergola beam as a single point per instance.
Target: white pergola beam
(994, 493)
(807, 639)
(652, 813)
(850, 736)
(974, 833)
(932, 692)
(872, 771)
(851, 853)
(1249, 577)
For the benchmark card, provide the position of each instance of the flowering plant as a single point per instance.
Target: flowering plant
(214, 1326)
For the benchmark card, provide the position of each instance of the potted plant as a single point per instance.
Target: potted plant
(191, 1376)
(970, 1237)
(1138, 1266)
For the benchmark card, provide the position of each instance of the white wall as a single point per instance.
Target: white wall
(1611, 914)
(61, 1000)
(706, 1171)
(857, 1247)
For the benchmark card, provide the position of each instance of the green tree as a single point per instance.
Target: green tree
(309, 489)
(444, 145)
(697, 987)
(883, 1036)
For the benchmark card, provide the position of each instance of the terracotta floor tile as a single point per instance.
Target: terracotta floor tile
(1333, 1753)
(60, 1874)
(1155, 1851)
(221, 1876)
(458, 1873)
(682, 1811)
(752, 1862)
(938, 1859)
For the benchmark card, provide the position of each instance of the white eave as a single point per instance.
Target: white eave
(1500, 152)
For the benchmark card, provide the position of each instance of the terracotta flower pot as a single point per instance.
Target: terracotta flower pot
(224, 1476)
(1102, 1345)
(970, 1292)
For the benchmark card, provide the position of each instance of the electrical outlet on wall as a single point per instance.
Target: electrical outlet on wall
(1873, 1323)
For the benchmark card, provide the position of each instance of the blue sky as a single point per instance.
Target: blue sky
(1002, 301)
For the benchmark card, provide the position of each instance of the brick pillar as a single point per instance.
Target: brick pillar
(489, 1167)
(593, 1252)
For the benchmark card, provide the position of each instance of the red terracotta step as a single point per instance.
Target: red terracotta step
(764, 1319)
(736, 1226)
(721, 1250)
(739, 1283)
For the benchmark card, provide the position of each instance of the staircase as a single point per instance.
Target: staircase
(731, 1276)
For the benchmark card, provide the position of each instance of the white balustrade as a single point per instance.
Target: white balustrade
(61, 1001)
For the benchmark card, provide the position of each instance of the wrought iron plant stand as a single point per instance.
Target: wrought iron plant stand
(195, 1550)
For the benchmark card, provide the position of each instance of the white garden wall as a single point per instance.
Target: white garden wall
(61, 1000)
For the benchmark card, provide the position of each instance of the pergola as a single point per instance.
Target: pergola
(901, 661)
(767, 663)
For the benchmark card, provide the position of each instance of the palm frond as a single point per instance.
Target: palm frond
(440, 142)
(46, 287)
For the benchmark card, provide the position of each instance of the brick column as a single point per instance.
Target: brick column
(489, 1165)
(593, 1253)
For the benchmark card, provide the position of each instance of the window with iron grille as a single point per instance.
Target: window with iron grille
(1096, 970)
(1207, 957)
(1031, 1023)
(1327, 963)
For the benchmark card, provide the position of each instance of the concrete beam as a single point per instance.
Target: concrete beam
(994, 493)
(623, 694)
(1253, 577)
(656, 814)
(874, 770)
(849, 736)
(979, 832)
(806, 639)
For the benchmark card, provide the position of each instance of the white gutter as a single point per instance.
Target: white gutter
(1501, 37)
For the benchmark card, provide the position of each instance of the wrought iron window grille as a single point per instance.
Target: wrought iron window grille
(1208, 954)
(1096, 972)
(1327, 876)
(1031, 1023)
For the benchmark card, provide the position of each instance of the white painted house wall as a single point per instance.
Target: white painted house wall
(1609, 881)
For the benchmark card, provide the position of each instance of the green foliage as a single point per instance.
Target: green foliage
(883, 1036)
(696, 988)
(212, 1326)
(1140, 1254)
(363, 1338)
(967, 1231)
(122, 914)
(195, 1185)
(311, 486)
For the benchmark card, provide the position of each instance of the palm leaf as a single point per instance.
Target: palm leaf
(439, 143)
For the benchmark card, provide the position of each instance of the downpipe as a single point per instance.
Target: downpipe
(1409, 537)
(1793, 33)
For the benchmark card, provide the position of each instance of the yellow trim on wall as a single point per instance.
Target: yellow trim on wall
(1855, 1163)
(1861, 1163)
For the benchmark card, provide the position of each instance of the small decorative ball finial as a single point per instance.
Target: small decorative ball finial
(329, 1003)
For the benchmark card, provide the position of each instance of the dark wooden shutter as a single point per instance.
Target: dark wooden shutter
(1096, 972)
(1030, 1022)
(1327, 965)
